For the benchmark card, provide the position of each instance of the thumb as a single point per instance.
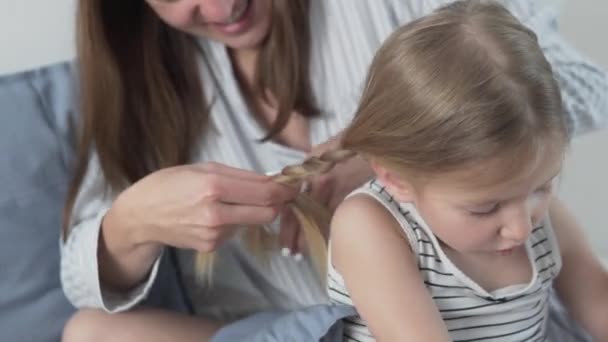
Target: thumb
(289, 232)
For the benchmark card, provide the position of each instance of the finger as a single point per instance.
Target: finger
(320, 190)
(189, 238)
(249, 192)
(212, 237)
(232, 172)
(302, 244)
(216, 233)
(221, 214)
(288, 231)
(295, 246)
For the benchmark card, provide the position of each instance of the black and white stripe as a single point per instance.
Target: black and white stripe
(517, 313)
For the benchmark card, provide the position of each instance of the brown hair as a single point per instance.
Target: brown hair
(310, 214)
(142, 100)
(466, 84)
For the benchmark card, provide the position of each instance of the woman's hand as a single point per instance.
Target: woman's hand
(328, 189)
(331, 188)
(194, 207)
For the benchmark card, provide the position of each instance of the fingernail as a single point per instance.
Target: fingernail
(298, 257)
(285, 251)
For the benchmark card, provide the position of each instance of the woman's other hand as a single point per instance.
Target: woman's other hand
(194, 207)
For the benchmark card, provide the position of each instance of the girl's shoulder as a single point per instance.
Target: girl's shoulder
(370, 209)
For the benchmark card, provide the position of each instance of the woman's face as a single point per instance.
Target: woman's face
(238, 24)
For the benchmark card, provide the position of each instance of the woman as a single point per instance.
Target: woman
(186, 105)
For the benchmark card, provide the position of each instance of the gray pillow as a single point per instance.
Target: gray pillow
(35, 152)
(37, 111)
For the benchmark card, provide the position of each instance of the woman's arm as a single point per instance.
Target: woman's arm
(381, 273)
(113, 245)
(583, 282)
(86, 262)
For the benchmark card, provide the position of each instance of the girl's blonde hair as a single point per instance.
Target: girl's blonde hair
(466, 84)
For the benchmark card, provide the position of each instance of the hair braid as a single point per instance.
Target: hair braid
(310, 214)
(313, 166)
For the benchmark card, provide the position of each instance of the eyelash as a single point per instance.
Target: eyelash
(545, 189)
(486, 213)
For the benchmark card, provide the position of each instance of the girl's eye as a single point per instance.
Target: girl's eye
(485, 212)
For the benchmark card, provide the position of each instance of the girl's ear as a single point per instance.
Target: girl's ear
(396, 184)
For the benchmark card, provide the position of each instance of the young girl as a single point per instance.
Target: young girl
(459, 238)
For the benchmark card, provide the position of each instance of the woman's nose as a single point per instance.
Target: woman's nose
(218, 11)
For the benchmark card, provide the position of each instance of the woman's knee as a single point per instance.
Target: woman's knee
(88, 325)
(143, 324)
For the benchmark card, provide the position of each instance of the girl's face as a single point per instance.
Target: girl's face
(238, 24)
(496, 218)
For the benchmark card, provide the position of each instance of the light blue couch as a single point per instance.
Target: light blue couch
(37, 110)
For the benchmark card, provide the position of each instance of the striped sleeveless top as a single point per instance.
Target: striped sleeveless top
(470, 313)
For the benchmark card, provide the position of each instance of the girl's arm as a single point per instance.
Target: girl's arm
(583, 282)
(381, 273)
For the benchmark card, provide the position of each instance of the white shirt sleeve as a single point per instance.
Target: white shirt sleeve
(79, 266)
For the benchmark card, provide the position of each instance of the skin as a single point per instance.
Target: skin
(209, 18)
(475, 223)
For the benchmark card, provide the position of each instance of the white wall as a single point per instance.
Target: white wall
(585, 181)
(36, 32)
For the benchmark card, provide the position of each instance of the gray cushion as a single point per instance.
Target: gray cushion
(34, 155)
(37, 111)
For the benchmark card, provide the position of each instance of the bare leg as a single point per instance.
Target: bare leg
(150, 325)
